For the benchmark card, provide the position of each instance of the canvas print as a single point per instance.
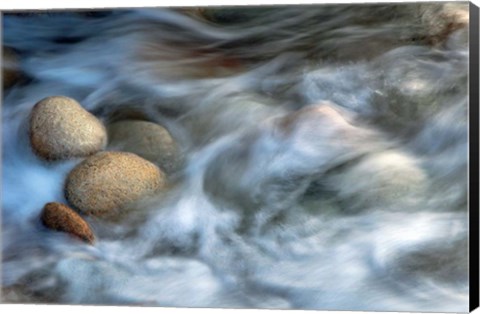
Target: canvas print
(278, 157)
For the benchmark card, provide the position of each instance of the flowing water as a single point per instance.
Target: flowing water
(325, 157)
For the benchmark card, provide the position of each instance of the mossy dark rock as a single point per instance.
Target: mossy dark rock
(60, 129)
(236, 15)
(10, 68)
(59, 217)
(104, 184)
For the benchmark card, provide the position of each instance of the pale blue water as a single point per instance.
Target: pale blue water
(356, 202)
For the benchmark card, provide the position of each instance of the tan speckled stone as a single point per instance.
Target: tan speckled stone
(60, 217)
(102, 185)
(60, 129)
(146, 139)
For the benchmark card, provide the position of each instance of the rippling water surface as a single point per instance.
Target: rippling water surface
(325, 157)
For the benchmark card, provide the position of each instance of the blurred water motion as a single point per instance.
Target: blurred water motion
(326, 156)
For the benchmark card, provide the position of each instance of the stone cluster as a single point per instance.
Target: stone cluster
(122, 163)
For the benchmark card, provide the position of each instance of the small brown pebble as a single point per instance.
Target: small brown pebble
(102, 185)
(60, 129)
(60, 217)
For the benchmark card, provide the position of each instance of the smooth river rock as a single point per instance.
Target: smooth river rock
(61, 129)
(102, 185)
(147, 140)
(60, 217)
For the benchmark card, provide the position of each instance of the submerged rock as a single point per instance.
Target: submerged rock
(235, 15)
(16, 294)
(60, 217)
(10, 68)
(146, 139)
(102, 185)
(391, 180)
(60, 129)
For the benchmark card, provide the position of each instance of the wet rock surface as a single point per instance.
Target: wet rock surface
(60, 129)
(105, 183)
(10, 68)
(59, 217)
(146, 139)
